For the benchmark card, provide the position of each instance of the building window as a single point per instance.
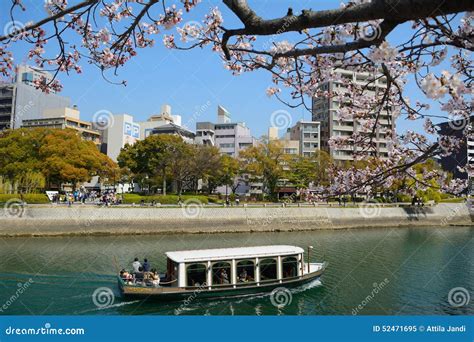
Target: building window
(227, 145)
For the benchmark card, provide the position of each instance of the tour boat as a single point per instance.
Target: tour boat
(226, 272)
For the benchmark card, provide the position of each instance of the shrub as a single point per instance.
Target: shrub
(452, 200)
(163, 199)
(131, 198)
(28, 198)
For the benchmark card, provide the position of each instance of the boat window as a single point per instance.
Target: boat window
(171, 270)
(221, 273)
(268, 269)
(196, 274)
(245, 271)
(290, 267)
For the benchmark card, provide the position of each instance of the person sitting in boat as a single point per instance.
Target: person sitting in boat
(136, 265)
(243, 276)
(140, 275)
(224, 277)
(146, 265)
(127, 277)
(155, 278)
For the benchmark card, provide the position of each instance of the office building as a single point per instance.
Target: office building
(118, 132)
(156, 120)
(229, 137)
(307, 134)
(325, 110)
(20, 100)
(63, 118)
(464, 156)
(174, 129)
(289, 146)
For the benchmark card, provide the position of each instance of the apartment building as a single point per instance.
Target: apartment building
(229, 137)
(63, 118)
(325, 110)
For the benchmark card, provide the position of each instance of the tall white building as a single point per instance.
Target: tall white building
(121, 130)
(325, 110)
(229, 137)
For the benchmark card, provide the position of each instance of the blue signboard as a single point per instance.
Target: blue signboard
(136, 131)
(127, 128)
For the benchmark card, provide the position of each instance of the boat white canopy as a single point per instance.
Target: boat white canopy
(233, 253)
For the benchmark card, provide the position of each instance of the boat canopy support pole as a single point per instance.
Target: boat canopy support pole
(182, 274)
(209, 275)
(233, 273)
(257, 272)
(279, 269)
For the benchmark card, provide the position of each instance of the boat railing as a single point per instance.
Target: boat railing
(133, 282)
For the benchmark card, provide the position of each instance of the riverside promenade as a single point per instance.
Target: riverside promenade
(51, 220)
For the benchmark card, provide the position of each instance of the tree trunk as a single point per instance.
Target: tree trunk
(164, 183)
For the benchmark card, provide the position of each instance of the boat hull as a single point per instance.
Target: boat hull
(177, 293)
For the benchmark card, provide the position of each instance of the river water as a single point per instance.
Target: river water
(407, 271)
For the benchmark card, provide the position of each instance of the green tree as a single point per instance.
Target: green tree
(265, 161)
(207, 164)
(227, 174)
(153, 158)
(60, 156)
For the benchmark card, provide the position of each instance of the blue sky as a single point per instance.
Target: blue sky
(187, 80)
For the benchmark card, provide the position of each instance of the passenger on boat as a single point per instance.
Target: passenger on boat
(127, 277)
(146, 265)
(224, 277)
(155, 278)
(136, 265)
(139, 276)
(243, 275)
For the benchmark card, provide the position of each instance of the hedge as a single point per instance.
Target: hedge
(452, 200)
(28, 198)
(163, 199)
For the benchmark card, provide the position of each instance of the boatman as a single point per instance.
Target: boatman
(146, 265)
(136, 265)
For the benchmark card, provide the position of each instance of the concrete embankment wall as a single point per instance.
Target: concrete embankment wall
(83, 220)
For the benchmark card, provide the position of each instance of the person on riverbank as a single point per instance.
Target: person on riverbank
(136, 265)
